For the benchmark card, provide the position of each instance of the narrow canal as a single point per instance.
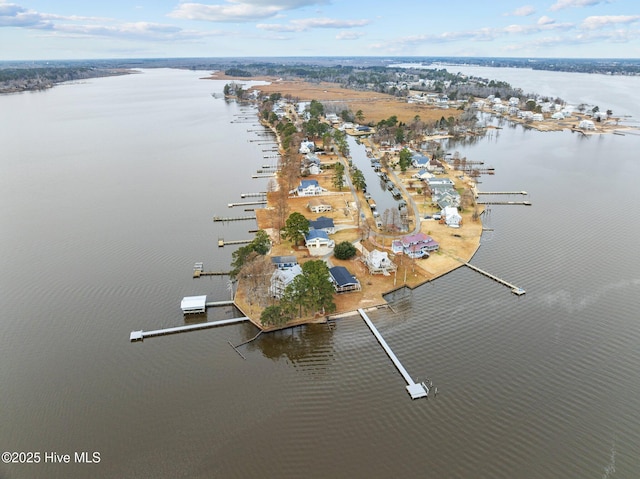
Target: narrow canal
(375, 186)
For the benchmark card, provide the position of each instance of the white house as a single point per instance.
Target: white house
(451, 216)
(281, 278)
(318, 239)
(587, 125)
(316, 205)
(419, 161)
(423, 174)
(378, 262)
(307, 147)
(308, 188)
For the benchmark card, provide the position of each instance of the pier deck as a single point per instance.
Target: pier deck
(415, 390)
(140, 335)
(233, 218)
(222, 242)
(514, 289)
(247, 203)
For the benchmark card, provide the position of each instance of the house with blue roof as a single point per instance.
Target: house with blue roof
(419, 161)
(342, 280)
(323, 223)
(318, 239)
(308, 188)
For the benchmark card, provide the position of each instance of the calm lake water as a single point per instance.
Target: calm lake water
(107, 193)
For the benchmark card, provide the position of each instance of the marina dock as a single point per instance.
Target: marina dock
(514, 289)
(415, 390)
(140, 335)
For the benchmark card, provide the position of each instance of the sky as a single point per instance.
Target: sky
(88, 29)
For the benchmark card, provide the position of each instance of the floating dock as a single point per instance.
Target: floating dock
(514, 289)
(140, 335)
(415, 390)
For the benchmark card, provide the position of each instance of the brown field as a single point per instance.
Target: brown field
(375, 106)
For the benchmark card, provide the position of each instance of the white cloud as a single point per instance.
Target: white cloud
(12, 15)
(544, 20)
(349, 35)
(597, 22)
(239, 10)
(524, 11)
(309, 23)
(562, 4)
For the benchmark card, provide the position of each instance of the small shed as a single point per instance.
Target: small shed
(194, 304)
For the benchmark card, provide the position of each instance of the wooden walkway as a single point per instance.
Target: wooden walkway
(247, 203)
(514, 289)
(198, 270)
(415, 390)
(525, 203)
(140, 335)
(222, 242)
(233, 218)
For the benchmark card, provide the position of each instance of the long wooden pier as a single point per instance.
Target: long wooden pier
(265, 175)
(415, 390)
(525, 203)
(233, 218)
(514, 289)
(140, 335)
(222, 243)
(247, 203)
(524, 193)
(253, 195)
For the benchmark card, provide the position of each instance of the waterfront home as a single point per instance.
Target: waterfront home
(342, 280)
(435, 166)
(316, 205)
(323, 223)
(417, 245)
(318, 239)
(423, 174)
(378, 262)
(307, 147)
(284, 262)
(434, 182)
(419, 161)
(451, 216)
(281, 278)
(308, 188)
(587, 125)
